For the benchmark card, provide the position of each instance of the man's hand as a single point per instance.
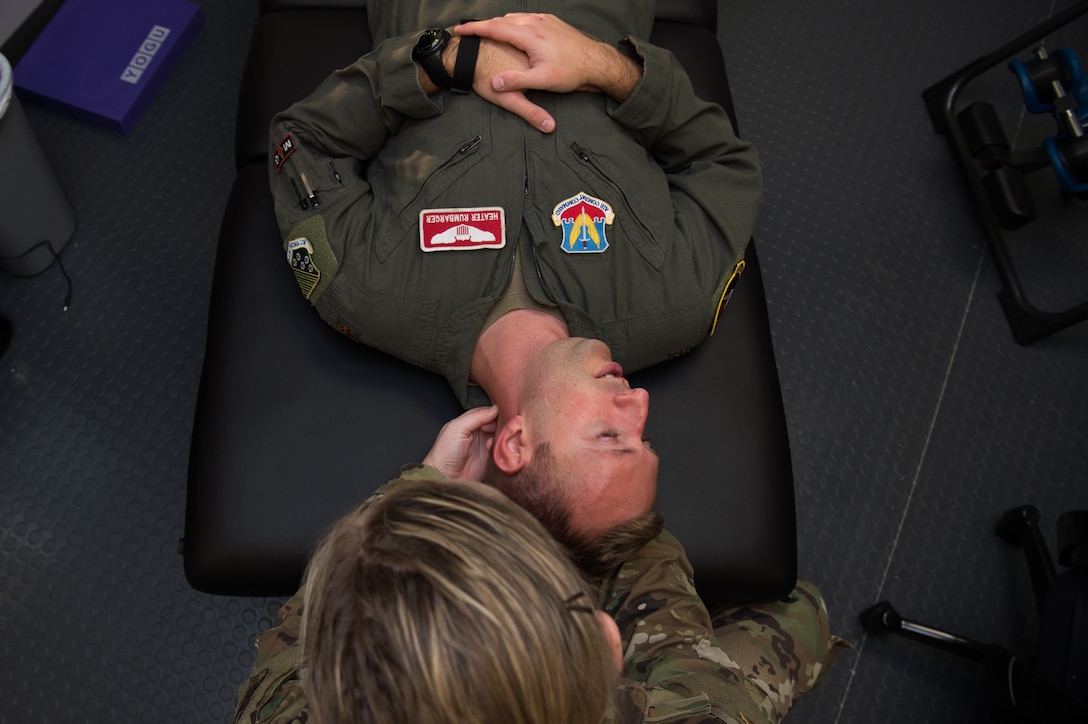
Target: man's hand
(496, 58)
(463, 444)
(561, 58)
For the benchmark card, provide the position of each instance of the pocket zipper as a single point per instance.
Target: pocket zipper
(588, 160)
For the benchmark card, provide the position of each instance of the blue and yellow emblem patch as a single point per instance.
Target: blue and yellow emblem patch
(584, 220)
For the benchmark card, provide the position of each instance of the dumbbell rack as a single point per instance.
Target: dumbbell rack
(1028, 322)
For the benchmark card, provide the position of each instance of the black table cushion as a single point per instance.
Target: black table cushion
(295, 424)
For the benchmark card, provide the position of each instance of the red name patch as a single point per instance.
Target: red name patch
(462, 229)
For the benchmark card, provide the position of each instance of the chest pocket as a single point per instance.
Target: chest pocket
(643, 207)
(409, 181)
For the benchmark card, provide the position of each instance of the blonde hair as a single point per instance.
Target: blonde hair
(446, 602)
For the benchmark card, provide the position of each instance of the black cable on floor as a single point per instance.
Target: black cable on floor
(56, 258)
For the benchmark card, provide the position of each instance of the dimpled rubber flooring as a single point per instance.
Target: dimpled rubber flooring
(915, 419)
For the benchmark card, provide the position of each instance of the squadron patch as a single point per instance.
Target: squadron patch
(583, 220)
(311, 257)
(282, 150)
(300, 254)
(462, 229)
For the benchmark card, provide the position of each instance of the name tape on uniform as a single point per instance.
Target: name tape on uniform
(462, 229)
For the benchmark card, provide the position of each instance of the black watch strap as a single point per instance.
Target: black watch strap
(464, 70)
(436, 70)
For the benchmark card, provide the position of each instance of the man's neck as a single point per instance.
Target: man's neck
(504, 351)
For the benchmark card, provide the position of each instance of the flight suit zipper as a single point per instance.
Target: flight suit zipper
(540, 276)
(535, 258)
(470, 145)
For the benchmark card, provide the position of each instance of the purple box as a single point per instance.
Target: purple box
(104, 60)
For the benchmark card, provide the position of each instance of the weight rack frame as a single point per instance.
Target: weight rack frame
(1029, 323)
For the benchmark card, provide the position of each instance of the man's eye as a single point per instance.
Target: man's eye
(609, 434)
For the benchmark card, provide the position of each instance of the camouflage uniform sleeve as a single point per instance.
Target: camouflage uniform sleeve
(785, 647)
(674, 667)
(413, 471)
(273, 693)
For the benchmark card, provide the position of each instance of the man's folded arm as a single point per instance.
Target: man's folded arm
(714, 177)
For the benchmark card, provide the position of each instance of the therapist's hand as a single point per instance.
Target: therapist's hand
(463, 444)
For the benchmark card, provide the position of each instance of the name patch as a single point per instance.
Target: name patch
(462, 229)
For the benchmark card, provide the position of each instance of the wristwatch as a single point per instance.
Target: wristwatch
(428, 53)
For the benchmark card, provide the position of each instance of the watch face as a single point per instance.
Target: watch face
(431, 41)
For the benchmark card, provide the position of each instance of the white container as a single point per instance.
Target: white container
(33, 207)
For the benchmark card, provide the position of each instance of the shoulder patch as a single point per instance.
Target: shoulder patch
(311, 258)
(282, 151)
(300, 254)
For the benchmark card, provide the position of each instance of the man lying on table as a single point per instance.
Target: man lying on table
(578, 213)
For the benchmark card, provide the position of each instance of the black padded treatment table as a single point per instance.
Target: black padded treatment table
(295, 424)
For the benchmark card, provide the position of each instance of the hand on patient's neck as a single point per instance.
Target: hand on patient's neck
(504, 350)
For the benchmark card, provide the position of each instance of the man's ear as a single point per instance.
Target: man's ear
(509, 448)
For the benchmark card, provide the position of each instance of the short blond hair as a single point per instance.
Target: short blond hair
(446, 602)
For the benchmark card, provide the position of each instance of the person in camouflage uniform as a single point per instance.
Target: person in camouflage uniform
(746, 664)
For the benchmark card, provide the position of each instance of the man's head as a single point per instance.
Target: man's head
(577, 446)
(443, 600)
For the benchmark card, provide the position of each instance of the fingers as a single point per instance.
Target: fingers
(465, 426)
(503, 61)
(561, 58)
(533, 39)
(519, 105)
(518, 80)
(475, 419)
(510, 27)
(460, 450)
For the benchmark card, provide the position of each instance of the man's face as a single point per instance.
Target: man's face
(594, 424)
